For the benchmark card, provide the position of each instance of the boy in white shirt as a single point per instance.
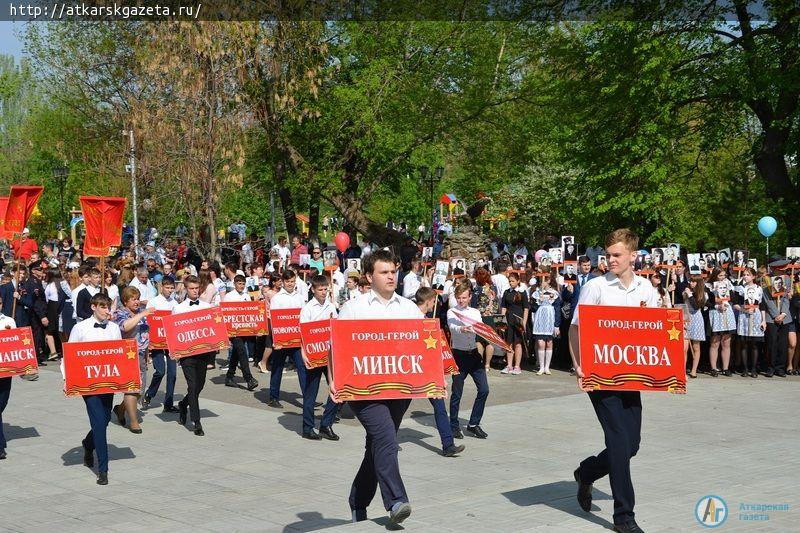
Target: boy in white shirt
(318, 308)
(289, 297)
(239, 344)
(97, 327)
(162, 362)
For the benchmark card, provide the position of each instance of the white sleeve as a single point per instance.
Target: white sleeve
(590, 295)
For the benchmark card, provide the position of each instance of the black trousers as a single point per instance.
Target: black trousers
(37, 330)
(620, 415)
(240, 357)
(194, 370)
(5, 393)
(380, 466)
(778, 345)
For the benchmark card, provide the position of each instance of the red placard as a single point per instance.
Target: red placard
(22, 201)
(3, 233)
(386, 359)
(17, 353)
(316, 337)
(448, 362)
(243, 319)
(195, 332)
(102, 216)
(285, 325)
(632, 348)
(485, 331)
(101, 367)
(158, 337)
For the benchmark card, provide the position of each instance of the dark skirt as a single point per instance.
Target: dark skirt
(52, 317)
(513, 335)
(66, 318)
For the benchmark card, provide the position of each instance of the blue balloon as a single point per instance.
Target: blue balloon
(767, 226)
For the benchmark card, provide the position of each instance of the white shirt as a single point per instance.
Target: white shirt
(159, 303)
(607, 290)
(370, 306)
(501, 283)
(285, 300)
(85, 331)
(302, 288)
(313, 311)
(146, 290)
(51, 292)
(459, 339)
(6, 322)
(234, 296)
(283, 251)
(184, 306)
(411, 284)
(74, 298)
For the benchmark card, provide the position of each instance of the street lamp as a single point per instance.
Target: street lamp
(431, 179)
(60, 174)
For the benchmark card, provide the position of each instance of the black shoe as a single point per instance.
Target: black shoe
(769, 374)
(198, 429)
(337, 418)
(182, 408)
(102, 478)
(477, 432)
(230, 383)
(628, 527)
(781, 374)
(453, 450)
(88, 456)
(312, 435)
(170, 409)
(3, 454)
(252, 384)
(727, 373)
(317, 405)
(136, 431)
(753, 374)
(457, 434)
(42, 362)
(714, 373)
(146, 403)
(327, 433)
(359, 515)
(584, 492)
(275, 403)
(744, 373)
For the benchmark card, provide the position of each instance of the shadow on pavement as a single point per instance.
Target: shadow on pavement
(559, 495)
(312, 521)
(75, 455)
(19, 432)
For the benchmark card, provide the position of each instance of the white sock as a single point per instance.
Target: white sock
(548, 355)
(541, 354)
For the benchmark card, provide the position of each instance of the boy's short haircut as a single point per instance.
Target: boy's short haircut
(288, 275)
(625, 236)
(424, 295)
(168, 282)
(384, 256)
(93, 271)
(319, 281)
(363, 282)
(84, 269)
(191, 279)
(462, 286)
(101, 300)
(238, 277)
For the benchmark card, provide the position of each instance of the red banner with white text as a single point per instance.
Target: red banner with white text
(483, 330)
(17, 352)
(195, 332)
(285, 324)
(101, 367)
(448, 361)
(386, 359)
(316, 338)
(158, 337)
(632, 348)
(243, 319)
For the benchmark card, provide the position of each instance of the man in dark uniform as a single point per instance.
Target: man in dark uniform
(619, 412)
(36, 305)
(10, 293)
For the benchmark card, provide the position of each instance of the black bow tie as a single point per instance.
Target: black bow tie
(98, 325)
(196, 302)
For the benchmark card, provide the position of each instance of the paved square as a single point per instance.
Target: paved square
(733, 437)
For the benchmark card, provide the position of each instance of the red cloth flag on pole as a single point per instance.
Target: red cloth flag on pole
(103, 218)
(3, 233)
(21, 202)
(484, 331)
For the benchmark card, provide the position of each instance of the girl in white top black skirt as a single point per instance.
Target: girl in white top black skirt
(752, 321)
(699, 300)
(723, 322)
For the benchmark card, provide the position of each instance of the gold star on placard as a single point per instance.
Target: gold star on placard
(26, 341)
(218, 319)
(674, 334)
(430, 342)
(131, 354)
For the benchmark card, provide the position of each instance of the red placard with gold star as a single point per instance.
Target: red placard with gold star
(101, 367)
(632, 348)
(386, 359)
(245, 318)
(195, 332)
(17, 354)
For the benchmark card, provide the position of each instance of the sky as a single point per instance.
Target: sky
(9, 40)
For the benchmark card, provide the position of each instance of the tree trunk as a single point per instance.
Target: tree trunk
(352, 209)
(287, 203)
(313, 215)
(770, 160)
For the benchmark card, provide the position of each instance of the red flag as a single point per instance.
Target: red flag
(21, 203)
(103, 218)
(3, 233)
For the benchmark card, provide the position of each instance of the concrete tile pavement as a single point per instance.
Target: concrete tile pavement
(731, 437)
